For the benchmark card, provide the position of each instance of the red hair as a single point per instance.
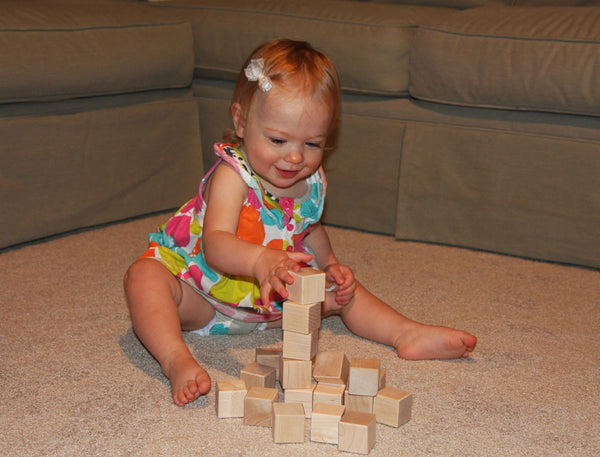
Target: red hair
(298, 64)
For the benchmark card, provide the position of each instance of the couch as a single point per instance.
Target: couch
(465, 122)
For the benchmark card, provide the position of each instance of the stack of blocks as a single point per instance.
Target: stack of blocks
(343, 399)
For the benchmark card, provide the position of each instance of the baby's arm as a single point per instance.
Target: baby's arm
(340, 275)
(224, 251)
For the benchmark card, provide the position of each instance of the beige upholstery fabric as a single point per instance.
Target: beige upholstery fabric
(469, 178)
(530, 58)
(97, 122)
(65, 171)
(56, 50)
(368, 42)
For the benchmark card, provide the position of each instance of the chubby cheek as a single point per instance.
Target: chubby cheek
(313, 161)
(261, 157)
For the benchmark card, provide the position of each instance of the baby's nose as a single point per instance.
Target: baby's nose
(294, 155)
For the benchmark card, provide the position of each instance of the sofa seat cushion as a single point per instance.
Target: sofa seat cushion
(529, 58)
(59, 49)
(368, 42)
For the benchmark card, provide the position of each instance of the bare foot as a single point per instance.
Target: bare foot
(424, 342)
(188, 379)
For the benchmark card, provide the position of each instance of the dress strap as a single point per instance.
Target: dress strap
(233, 156)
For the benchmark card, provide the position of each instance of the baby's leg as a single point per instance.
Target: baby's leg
(160, 306)
(369, 317)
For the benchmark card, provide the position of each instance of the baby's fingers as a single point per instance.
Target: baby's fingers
(298, 258)
(346, 293)
(335, 276)
(275, 283)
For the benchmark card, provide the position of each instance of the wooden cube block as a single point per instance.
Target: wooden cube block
(325, 422)
(331, 367)
(329, 394)
(258, 375)
(364, 377)
(360, 403)
(308, 286)
(288, 423)
(357, 432)
(393, 406)
(269, 357)
(295, 374)
(300, 346)
(229, 397)
(258, 406)
(301, 318)
(382, 380)
(304, 396)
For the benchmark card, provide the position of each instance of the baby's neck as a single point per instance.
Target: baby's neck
(296, 191)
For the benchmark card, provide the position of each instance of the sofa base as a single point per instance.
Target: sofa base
(89, 161)
(524, 184)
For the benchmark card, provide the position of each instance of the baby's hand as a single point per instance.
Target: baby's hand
(343, 277)
(272, 271)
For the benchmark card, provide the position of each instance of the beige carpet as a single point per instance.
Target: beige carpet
(76, 382)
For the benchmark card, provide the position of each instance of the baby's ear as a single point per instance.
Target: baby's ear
(239, 119)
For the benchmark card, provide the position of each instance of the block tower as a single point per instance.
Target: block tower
(301, 323)
(343, 399)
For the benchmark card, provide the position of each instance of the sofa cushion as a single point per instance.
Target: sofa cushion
(529, 58)
(59, 49)
(368, 42)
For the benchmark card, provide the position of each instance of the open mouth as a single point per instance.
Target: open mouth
(287, 174)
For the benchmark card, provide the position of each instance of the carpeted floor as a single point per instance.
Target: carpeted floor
(76, 382)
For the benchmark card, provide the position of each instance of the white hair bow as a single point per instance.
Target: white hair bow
(255, 72)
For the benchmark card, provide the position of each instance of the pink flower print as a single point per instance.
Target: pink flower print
(287, 205)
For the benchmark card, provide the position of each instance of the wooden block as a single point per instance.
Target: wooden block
(304, 396)
(382, 380)
(288, 423)
(393, 406)
(270, 357)
(364, 377)
(308, 286)
(301, 318)
(357, 432)
(258, 406)
(328, 394)
(325, 422)
(295, 374)
(360, 403)
(229, 397)
(300, 346)
(258, 375)
(331, 367)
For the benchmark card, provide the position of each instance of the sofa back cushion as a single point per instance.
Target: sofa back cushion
(368, 42)
(529, 58)
(68, 49)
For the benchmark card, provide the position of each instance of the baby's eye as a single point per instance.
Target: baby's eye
(277, 141)
(313, 145)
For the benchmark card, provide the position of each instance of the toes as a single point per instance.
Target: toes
(188, 393)
(191, 389)
(179, 399)
(203, 385)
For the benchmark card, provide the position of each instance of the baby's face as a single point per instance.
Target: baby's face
(284, 135)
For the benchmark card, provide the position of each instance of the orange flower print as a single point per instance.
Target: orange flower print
(249, 226)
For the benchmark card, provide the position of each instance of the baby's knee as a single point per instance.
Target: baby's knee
(137, 271)
(130, 274)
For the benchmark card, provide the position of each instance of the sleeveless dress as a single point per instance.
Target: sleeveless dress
(273, 222)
